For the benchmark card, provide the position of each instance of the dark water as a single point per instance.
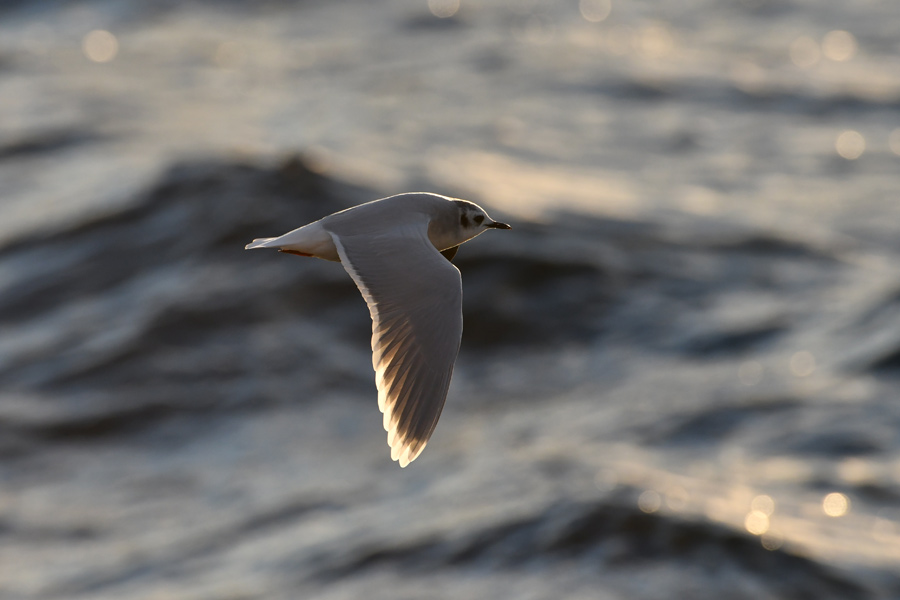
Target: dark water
(678, 376)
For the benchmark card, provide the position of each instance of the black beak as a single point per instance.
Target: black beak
(498, 225)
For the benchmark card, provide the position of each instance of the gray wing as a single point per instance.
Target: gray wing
(415, 300)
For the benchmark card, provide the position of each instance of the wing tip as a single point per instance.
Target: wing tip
(402, 450)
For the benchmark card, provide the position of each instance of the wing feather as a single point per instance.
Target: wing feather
(415, 300)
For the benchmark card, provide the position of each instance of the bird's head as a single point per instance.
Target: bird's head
(474, 220)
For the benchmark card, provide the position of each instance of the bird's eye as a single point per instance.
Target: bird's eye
(464, 220)
(479, 219)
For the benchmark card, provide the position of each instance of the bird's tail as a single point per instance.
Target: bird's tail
(259, 243)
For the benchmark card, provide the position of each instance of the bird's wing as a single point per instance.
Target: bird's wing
(415, 300)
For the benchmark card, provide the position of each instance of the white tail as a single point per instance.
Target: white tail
(309, 240)
(259, 243)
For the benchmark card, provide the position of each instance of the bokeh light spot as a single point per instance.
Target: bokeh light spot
(803, 364)
(839, 45)
(100, 46)
(443, 9)
(805, 52)
(677, 498)
(772, 540)
(850, 144)
(763, 504)
(835, 504)
(595, 11)
(649, 501)
(756, 522)
(894, 141)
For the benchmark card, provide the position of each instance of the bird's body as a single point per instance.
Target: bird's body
(392, 248)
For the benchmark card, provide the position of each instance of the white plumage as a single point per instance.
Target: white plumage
(392, 248)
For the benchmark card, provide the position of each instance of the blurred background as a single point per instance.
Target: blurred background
(678, 376)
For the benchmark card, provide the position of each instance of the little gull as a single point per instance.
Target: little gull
(392, 249)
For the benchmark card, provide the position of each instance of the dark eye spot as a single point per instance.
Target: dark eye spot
(479, 219)
(464, 220)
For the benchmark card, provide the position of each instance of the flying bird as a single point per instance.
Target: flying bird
(398, 251)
